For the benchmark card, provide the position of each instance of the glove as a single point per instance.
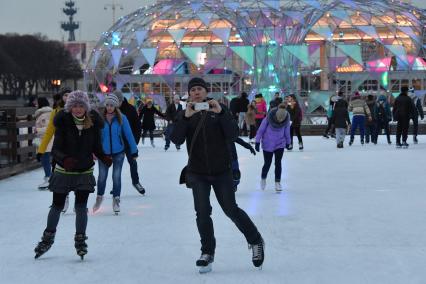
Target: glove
(69, 163)
(107, 160)
(252, 150)
(38, 157)
(257, 147)
(135, 155)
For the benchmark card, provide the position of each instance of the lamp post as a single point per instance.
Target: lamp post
(113, 7)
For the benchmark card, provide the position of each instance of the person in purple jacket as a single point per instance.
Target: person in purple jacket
(274, 133)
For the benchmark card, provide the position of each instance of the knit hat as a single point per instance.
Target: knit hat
(281, 113)
(357, 94)
(112, 99)
(75, 98)
(197, 82)
(119, 95)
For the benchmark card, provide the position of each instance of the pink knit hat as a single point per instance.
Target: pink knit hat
(77, 98)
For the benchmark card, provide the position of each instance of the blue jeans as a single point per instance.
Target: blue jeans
(358, 121)
(117, 165)
(45, 162)
(133, 166)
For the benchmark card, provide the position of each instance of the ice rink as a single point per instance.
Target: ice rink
(356, 215)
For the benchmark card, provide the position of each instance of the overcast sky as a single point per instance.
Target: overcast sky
(44, 16)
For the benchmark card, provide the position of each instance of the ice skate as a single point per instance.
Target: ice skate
(67, 204)
(278, 187)
(398, 145)
(263, 184)
(405, 145)
(152, 144)
(300, 146)
(258, 253)
(204, 263)
(46, 243)
(116, 204)
(45, 184)
(80, 245)
(98, 203)
(415, 141)
(139, 188)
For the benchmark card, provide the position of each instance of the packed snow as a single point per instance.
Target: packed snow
(355, 215)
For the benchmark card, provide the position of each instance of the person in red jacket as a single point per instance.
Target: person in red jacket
(260, 109)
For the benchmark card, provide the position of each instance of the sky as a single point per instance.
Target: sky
(44, 16)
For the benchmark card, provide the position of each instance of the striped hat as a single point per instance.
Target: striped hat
(112, 99)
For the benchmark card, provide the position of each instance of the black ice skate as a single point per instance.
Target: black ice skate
(46, 243)
(258, 253)
(80, 245)
(300, 146)
(405, 145)
(204, 263)
(415, 141)
(351, 142)
(398, 145)
(139, 188)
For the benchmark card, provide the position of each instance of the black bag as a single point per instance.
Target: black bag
(183, 179)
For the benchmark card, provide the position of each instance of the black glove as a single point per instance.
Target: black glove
(257, 147)
(252, 150)
(38, 157)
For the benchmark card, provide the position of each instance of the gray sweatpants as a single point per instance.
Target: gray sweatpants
(340, 135)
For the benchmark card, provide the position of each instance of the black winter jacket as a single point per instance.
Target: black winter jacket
(403, 108)
(147, 117)
(132, 116)
(172, 112)
(70, 142)
(418, 110)
(340, 117)
(211, 154)
(295, 115)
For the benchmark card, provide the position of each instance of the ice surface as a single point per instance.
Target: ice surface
(355, 215)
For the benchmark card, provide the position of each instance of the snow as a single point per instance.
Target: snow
(346, 216)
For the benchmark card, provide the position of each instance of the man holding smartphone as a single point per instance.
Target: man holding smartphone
(209, 166)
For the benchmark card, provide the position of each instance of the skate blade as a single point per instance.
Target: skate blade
(278, 191)
(205, 269)
(116, 213)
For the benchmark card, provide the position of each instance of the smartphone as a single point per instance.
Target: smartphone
(201, 106)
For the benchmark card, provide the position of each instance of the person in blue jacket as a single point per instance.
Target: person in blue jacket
(115, 134)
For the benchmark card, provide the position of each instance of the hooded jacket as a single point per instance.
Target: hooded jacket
(273, 134)
(42, 116)
(340, 115)
(382, 111)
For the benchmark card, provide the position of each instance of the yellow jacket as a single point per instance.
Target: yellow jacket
(50, 131)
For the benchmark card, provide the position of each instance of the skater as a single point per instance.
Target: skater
(340, 120)
(250, 119)
(296, 117)
(330, 126)
(208, 134)
(243, 104)
(77, 136)
(360, 110)
(236, 173)
(274, 133)
(403, 110)
(370, 125)
(135, 124)
(276, 101)
(59, 101)
(382, 115)
(418, 111)
(115, 134)
(148, 121)
(171, 115)
(260, 109)
(42, 116)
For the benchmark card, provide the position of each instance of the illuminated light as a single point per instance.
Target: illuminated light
(349, 69)
(103, 88)
(115, 38)
(385, 79)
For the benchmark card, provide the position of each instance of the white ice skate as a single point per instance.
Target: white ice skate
(262, 184)
(45, 184)
(98, 203)
(67, 203)
(278, 187)
(116, 205)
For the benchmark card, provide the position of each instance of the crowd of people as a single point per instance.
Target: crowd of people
(73, 135)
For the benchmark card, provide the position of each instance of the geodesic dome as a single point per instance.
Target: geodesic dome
(251, 44)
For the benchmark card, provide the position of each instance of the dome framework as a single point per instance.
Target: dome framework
(304, 47)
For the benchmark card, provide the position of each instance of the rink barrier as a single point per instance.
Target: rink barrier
(17, 151)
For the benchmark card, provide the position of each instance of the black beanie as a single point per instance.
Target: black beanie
(197, 82)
